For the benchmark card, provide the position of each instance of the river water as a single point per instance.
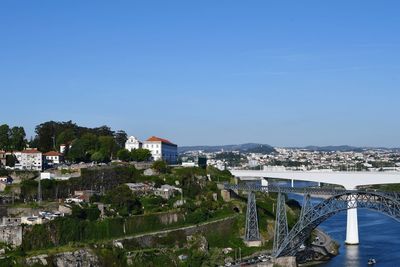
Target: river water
(379, 239)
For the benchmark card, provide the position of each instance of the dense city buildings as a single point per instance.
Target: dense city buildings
(303, 159)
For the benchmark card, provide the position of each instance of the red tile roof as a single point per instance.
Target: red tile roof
(52, 153)
(31, 151)
(158, 139)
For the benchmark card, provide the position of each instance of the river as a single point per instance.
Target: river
(379, 238)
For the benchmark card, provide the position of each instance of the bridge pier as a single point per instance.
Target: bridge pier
(252, 236)
(352, 222)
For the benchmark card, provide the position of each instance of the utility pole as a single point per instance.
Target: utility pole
(54, 142)
(40, 191)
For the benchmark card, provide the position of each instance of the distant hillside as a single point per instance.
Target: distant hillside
(343, 148)
(248, 148)
(267, 149)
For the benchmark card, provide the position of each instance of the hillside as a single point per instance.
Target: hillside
(249, 148)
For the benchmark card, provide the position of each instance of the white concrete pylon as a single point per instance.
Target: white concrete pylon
(352, 223)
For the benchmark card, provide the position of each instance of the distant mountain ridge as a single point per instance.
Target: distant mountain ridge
(248, 147)
(342, 148)
(267, 149)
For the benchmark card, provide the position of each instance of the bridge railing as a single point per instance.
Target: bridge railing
(304, 190)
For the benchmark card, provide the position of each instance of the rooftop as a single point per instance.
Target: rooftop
(158, 139)
(52, 153)
(31, 151)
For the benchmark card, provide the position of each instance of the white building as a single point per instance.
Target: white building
(133, 143)
(63, 147)
(162, 149)
(53, 157)
(166, 191)
(29, 159)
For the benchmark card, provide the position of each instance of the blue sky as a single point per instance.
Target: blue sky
(284, 73)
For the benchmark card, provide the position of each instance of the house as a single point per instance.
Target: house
(196, 161)
(84, 195)
(64, 147)
(162, 149)
(140, 188)
(29, 159)
(53, 157)
(132, 143)
(166, 191)
(31, 220)
(75, 199)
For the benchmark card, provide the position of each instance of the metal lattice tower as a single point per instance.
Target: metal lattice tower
(252, 232)
(281, 225)
(307, 206)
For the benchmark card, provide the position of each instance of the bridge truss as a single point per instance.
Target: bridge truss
(287, 243)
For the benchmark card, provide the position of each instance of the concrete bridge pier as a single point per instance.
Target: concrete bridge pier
(352, 222)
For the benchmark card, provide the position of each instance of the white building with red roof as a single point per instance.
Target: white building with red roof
(53, 157)
(161, 148)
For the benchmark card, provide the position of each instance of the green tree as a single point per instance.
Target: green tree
(90, 142)
(143, 154)
(124, 155)
(65, 137)
(4, 137)
(124, 201)
(83, 148)
(120, 138)
(140, 154)
(93, 213)
(102, 131)
(29, 189)
(160, 166)
(78, 152)
(86, 212)
(17, 138)
(99, 156)
(107, 145)
(11, 160)
(78, 212)
(45, 134)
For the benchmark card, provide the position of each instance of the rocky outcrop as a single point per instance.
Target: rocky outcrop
(11, 234)
(82, 258)
(37, 260)
(286, 261)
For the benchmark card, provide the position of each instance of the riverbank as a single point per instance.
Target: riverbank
(322, 249)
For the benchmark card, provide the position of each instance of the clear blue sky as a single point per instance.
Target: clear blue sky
(206, 72)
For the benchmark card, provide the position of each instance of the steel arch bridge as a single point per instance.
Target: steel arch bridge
(287, 243)
(312, 216)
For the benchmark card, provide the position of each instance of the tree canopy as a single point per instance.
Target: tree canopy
(12, 138)
(124, 201)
